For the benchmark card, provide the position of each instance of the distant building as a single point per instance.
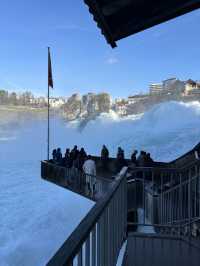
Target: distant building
(191, 87)
(56, 102)
(156, 88)
(168, 86)
(136, 98)
(173, 86)
(41, 101)
(168, 83)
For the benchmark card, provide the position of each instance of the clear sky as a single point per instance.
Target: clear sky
(82, 60)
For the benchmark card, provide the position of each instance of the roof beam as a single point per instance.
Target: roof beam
(132, 27)
(120, 18)
(101, 22)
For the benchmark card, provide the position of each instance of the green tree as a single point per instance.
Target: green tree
(3, 97)
(25, 98)
(13, 98)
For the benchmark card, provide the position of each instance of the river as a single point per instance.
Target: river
(36, 216)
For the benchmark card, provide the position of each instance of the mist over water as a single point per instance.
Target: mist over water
(168, 130)
(37, 216)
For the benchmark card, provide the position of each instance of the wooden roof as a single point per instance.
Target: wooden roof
(118, 19)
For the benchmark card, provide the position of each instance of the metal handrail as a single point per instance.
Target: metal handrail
(64, 168)
(79, 236)
(166, 169)
(73, 245)
(183, 183)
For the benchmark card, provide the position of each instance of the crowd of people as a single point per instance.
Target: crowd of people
(76, 158)
(79, 160)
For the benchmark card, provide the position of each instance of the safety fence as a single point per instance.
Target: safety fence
(99, 237)
(90, 186)
(169, 199)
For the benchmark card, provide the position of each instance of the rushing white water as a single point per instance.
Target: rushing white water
(168, 130)
(36, 216)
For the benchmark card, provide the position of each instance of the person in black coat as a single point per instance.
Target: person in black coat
(54, 155)
(104, 156)
(83, 153)
(74, 153)
(120, 161)
(67, 159)
(134, 158)
(59, 156)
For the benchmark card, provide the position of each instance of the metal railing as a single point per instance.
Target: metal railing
(167, 195)
(169, 198)
(90, 186)
(99, 237)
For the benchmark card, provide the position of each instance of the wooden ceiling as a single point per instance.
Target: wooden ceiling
(118, 19)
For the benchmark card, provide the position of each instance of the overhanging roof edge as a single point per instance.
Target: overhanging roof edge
(159, 20)
(113, 32)
(101, 23)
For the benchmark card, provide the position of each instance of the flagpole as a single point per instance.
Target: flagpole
(48, 126)
(50, 84)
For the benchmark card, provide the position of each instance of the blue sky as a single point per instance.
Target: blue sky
(82, 60)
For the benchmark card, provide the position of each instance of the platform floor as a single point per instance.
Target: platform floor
(142, 250)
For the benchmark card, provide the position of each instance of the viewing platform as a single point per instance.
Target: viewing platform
(156, 209)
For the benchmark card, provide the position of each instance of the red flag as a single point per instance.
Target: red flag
(50, 77)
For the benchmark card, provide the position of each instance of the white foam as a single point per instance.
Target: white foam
(36, 217)
(7, 139)
(167, 131)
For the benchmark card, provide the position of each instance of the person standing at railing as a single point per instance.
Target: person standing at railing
(120, 161)
(67, 159)
(104, 156)
(59, 156)
(141, 159)
(54, 156)
(77, 169)
(148, 160)
(89, 168)
(134, 158)
(74, 153)
(78, 162)
(83, 153)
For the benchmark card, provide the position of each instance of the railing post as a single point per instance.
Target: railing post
(109, 234)
(161, 198)
(106, 237)
(143, 199)
(117, 224)
(126, 206)
(181, 199)
(189, 203)
(195, 192)
(153, 201)
(87, 251)
(93, 246)
(99, 243)
(112, 215)
(198, 184)
(102, 222)
(171, 199)
(80, 257)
